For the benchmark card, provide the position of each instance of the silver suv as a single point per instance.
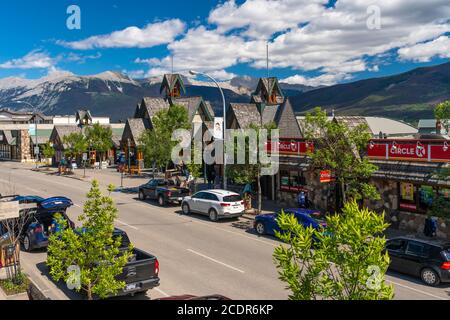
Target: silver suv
(217, 204)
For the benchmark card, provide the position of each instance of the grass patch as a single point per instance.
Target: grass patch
(19, 286)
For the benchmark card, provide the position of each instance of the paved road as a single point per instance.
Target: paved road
(196, 256)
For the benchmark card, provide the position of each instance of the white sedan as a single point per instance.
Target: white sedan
(217, 204)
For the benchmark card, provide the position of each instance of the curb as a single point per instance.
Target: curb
(3, 295)
(248, 217)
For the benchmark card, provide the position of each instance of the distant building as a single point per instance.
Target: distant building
(15, 117)
(429, 126)
(379, 127)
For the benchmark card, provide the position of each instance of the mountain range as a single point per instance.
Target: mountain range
(408, 96)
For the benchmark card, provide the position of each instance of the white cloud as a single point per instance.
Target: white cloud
(322, 80)
(35, 59)
(78, 58)
(263, 18)
(153, 34)
(304, 35)
(424, 52)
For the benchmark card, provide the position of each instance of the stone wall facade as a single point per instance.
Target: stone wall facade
(401, 220)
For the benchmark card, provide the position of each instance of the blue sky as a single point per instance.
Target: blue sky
(312, 42)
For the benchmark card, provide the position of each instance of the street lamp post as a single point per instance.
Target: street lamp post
(194, 73)
(36, 154)
(129, 156)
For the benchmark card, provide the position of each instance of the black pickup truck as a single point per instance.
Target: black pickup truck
(141, 273)
(164, 191)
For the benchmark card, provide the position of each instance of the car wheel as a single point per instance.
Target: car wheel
(161, 201)
(260, 229)
(213, 216)
(142, 196)
(27, 244)
(430, 277)
(186, 209)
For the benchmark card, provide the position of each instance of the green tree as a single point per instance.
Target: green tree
(92, 249)
(48, 151)
(75, 144)
(157, 143)
(249, 173)
(339, 148)
(195, 168)
(345, 262)
(99, 138)
(442, 113)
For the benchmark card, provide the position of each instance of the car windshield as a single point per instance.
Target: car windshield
(232, 198)
(446, 254)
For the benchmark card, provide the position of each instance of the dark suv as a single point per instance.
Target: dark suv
(429, 260)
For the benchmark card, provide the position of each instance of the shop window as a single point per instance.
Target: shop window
(426, 197)
(408, 197)
(292, 181)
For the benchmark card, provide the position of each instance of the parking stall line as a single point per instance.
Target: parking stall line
(216, 261)
(417, 290)
(127, 225)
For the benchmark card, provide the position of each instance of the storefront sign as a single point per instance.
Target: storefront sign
(326, 176)
(291, 147)
(408, 206)
(413, 150)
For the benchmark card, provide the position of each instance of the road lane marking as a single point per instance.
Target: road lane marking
(216, 261)
(162, 292)
(416, 290)
(126, 224)
(123, 197)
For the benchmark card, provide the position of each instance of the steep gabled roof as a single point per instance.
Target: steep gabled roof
(268, 85)
(287, 122)
(153, 105)
(59, 132)
(134, 129)
(192, 105)
(245, 114)
(83, 114)
(170, 81)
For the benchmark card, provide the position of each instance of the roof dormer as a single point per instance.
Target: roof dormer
(172, 85)
(268, 92)
(84, 117)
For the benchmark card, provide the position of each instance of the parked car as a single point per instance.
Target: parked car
(267, 224)
(40, 221)
(217, 204)
(164, 191)
(429, 260)
(141, 273)
(189, 297)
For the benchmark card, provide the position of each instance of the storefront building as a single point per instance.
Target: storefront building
(409, 180)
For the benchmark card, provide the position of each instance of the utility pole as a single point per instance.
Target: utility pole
(267, 56)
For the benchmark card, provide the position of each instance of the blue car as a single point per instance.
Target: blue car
(266, 224)
(40, 221)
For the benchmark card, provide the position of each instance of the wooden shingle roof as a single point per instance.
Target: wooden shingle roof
(192, 105)
(245, 114)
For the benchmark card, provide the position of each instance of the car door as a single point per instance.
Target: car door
(207, 202)
(272, 224)
(195, 203)
(146, 188)
(416, 254)
(396, 250)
